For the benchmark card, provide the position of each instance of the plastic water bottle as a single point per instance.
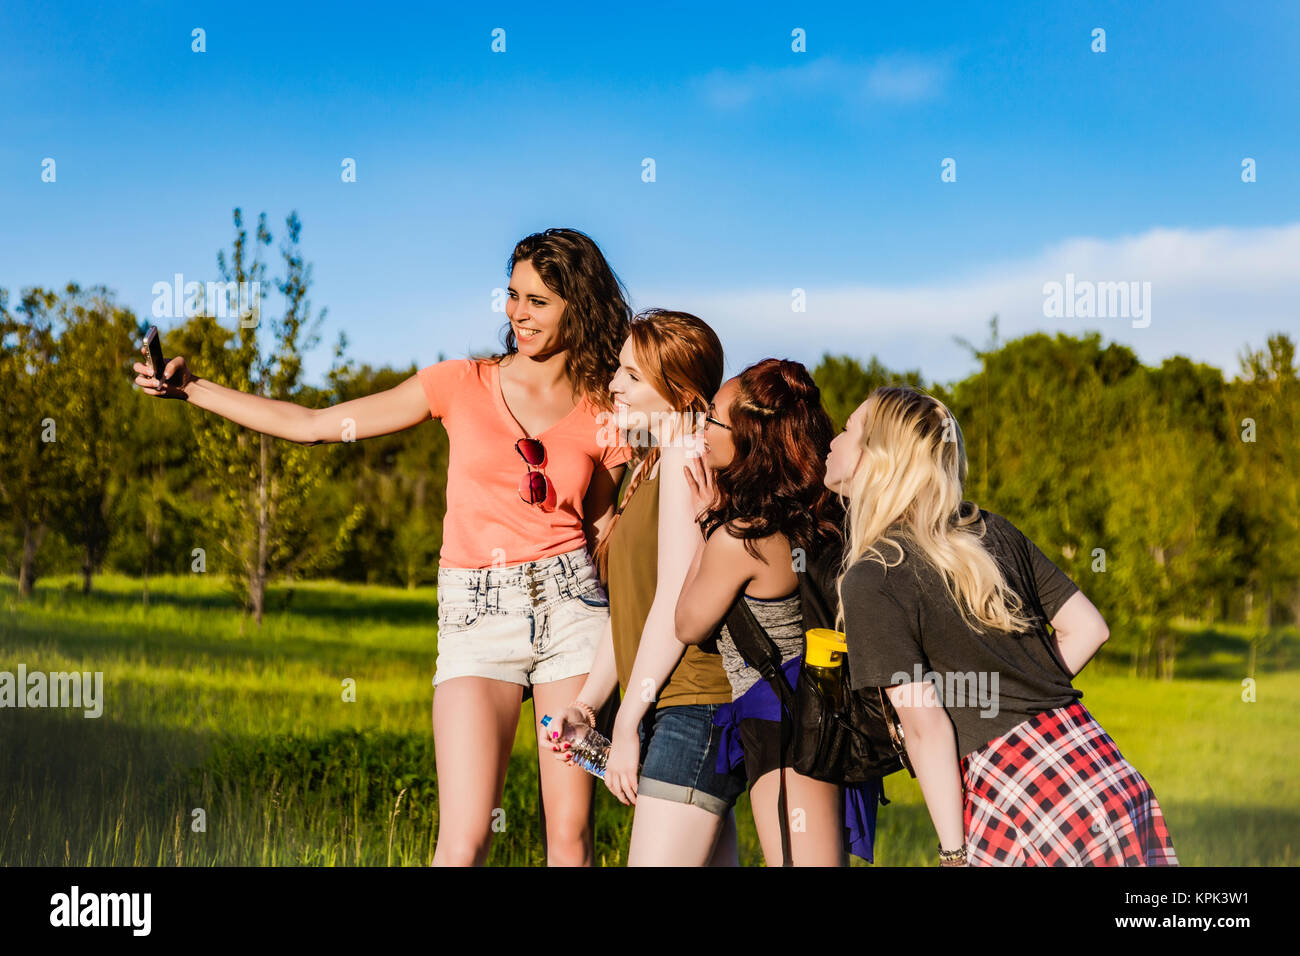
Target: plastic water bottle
(589, 747)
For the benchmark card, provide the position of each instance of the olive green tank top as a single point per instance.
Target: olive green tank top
(633, 565)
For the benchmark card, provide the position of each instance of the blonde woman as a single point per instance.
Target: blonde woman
(947, 605)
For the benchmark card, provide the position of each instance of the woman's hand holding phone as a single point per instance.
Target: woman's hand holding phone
(176, 376)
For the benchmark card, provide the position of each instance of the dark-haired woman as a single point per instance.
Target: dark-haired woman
(765, 511)
(530, 484)
(947, 605)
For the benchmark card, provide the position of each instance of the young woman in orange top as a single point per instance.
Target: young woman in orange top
(530, 485)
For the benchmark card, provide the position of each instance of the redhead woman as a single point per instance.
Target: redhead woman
(530, 485)
(664, 750)
(763, 505)
(947, 605)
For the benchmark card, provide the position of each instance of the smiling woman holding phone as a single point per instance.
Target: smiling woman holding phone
(530, 485)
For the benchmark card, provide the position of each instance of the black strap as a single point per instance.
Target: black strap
(761, 653)
(758, 649)
(782, 808)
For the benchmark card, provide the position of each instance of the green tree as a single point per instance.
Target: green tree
(1033, 418)
(95, 348)
(1265, 439)
(29, 429)
(1168, 495)
(265, 493)
(845, 383)
(1037, 421)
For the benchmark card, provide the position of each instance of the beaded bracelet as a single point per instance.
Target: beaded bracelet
(952, 857)
(586, 709)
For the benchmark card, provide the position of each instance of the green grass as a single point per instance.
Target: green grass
(205, 711)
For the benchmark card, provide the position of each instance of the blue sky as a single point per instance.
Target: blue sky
(775, 170)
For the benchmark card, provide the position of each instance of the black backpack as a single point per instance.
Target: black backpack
(861, 741)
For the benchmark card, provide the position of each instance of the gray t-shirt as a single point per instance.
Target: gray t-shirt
(902, 626)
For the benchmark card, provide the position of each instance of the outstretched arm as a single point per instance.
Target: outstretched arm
(394, 409)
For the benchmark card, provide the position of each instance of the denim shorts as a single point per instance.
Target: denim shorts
(679, 752)
(529, 623)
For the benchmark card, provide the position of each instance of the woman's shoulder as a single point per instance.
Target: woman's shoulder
(768, 551)
(732, 536)
(999, 534)
(442, 382)
(889, 566)
(450, 371)
(643, 478)
(739, 527)
(480, 367)
(458, 364)
(732, 532)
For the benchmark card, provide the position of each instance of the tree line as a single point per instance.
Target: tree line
(1167, 493)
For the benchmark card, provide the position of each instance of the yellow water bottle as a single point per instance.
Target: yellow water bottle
(823, 658)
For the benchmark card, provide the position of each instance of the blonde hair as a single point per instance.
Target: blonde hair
(909, 485)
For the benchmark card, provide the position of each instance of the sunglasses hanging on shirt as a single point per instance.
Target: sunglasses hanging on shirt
(533, 486)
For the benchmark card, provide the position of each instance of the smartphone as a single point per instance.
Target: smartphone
(153, 342)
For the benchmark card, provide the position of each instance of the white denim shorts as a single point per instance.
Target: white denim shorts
(529, 623)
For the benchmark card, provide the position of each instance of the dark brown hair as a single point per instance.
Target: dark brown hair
(596, 313)
(776, 481)
(681, 358)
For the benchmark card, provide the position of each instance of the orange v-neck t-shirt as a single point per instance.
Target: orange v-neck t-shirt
(487, 523)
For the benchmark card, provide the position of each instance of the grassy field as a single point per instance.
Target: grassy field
(206, 712)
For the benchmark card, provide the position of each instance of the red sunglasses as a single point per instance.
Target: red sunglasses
(533, 487)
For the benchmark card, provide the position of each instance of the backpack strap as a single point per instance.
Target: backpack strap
(758, 649)
(761, 653)
(817, 590)
(782, 807)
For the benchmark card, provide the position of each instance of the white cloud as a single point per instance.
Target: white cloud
(1213, 291)
(904, 80)
(887, 79)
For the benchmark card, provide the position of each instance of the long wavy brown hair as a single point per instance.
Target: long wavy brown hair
(681, 358)
(596, 313)
(776, 481)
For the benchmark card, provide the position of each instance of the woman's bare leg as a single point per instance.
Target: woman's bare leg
(567, 791)
(474, 721)
(816, 819)
(726, 852)
(668, 833)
